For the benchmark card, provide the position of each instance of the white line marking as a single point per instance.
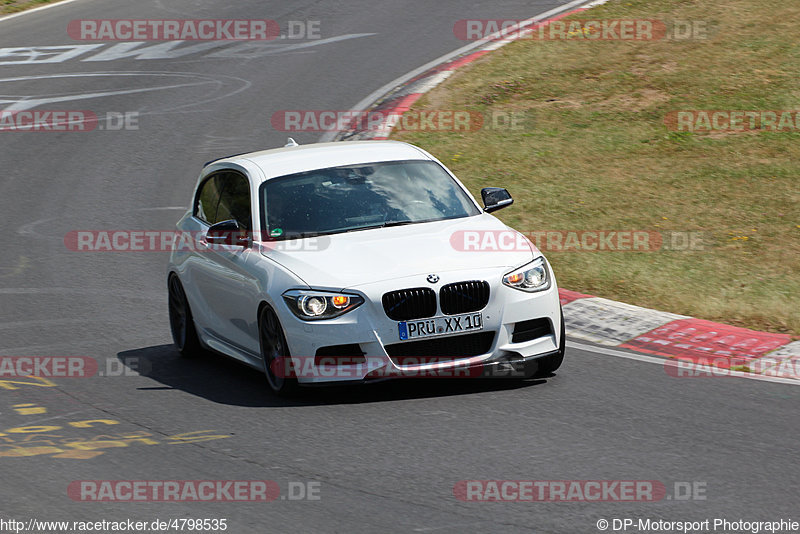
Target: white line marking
(219, 80)
(672, 363)
(494, 46)
(281, 49)
(32, 102)
(432, 81)
(35, 9)
(595, 3)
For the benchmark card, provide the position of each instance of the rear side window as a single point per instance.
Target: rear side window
(224, 196)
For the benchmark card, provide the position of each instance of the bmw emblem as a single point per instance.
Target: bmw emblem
(432, 278)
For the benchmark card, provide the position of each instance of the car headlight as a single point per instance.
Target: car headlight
(310, 305)
(532, 277)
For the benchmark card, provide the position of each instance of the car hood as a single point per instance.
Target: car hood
(363, 257)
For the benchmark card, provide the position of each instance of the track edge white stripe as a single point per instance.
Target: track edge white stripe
(374, 96)
(35, 9)
(673, 363)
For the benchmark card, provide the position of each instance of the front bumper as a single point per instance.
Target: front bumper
(368, 328)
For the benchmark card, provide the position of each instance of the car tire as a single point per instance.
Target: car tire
(275, 353)
(549, 364)
(181, 323)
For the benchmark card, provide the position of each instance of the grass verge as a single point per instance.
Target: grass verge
(13, 6)
(594, 153)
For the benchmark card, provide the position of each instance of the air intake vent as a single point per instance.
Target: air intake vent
(441, 348)
(340, 355)
(533, 329)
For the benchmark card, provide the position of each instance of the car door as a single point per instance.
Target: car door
(222, 273)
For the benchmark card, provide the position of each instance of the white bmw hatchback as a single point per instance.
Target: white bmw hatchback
(351, 262)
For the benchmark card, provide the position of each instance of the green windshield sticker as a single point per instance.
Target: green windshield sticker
(277, 232)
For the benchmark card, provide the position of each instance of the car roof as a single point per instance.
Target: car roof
(301, 158)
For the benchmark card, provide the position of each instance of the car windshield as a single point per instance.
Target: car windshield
(359, 197)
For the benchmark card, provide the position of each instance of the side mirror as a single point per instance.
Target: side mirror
(227, 233)
(495, 198)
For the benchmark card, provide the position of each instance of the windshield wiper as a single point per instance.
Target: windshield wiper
(302, 235)
(386, 224)
(399, 223)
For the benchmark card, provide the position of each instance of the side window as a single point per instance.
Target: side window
(207, 200)
(234, 203)
(224, 196)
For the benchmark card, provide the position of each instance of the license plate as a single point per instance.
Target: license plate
(440, 326)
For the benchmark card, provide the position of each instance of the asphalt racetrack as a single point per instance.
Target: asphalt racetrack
(380, 458)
